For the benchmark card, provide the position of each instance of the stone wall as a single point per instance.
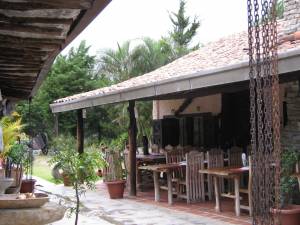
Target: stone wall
(291, 17)
(290, 135)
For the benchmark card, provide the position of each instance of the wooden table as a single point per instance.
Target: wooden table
(163, 168)
(229, 172)
(151, 158)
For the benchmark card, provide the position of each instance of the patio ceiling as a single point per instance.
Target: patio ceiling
(32, 33)
(217, 66)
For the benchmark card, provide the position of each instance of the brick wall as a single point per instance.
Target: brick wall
(290, 135)
(291, 16)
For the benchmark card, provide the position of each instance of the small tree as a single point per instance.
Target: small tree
(80, 168)
(184, 30)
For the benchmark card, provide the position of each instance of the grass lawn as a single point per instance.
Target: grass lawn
(42, 169)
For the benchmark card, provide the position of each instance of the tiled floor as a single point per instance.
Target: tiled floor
(202, 209)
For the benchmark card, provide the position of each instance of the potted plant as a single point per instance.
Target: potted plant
(113, 174)
(10, 131)
(289, 212)
(16, 157)
(28, 183)
(81, 168)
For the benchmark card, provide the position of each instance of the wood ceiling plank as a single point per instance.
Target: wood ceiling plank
(45, 4)
(31, 29)
(22, 20)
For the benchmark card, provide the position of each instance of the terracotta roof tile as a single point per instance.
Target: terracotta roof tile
(215, 55)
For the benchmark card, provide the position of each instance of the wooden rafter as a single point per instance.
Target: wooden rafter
(31, 29)
(45, 4)
(26, 20)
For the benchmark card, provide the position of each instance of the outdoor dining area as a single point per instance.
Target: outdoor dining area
(191, 175)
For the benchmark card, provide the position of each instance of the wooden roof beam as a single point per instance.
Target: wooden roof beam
(31, 29)
(22, 20)
(25, 40)
(46, 4)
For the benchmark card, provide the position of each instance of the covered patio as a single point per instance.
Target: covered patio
(219, 68)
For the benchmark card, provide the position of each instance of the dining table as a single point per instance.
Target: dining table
(231, 173)
(166, 168)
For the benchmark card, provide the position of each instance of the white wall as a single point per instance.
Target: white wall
(210, 103)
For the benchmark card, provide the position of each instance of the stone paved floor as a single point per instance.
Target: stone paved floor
(99, 209)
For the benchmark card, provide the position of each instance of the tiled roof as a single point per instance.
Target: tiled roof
(215, 55)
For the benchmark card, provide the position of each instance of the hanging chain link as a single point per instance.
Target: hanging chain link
(264, 108)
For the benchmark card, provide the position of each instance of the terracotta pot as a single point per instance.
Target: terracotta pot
(297, 35)
(27, 186)
(66, 180)
(116, 188)
(289, 215)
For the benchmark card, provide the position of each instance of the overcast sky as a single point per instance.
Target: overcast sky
(125, 20)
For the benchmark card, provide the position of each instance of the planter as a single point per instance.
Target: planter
(27, 186)
(289, 215)
(66, 180)
(116, 188)
(4, 184)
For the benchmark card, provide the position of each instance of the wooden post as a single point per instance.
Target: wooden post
(132, 148)
(80, 131)
(56, 124)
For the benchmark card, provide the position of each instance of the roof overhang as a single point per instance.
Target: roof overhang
(33, 33)
(205, 79)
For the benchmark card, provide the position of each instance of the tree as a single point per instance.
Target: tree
(70, 74)
(184, 30)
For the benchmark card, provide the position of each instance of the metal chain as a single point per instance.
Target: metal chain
(264, 107)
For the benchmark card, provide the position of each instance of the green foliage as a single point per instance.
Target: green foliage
(288, 184)
(115, 164)
(184, 30)
(280, 9)
(69, 75)
(80, 168)
(18, 153)
(11, 128)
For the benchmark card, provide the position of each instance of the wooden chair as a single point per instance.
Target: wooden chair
(175, 156)
(215, 159)
(248, 190)
(192, 187)
(235, 156)
(169, 148)
(155, 148)
(234, 159)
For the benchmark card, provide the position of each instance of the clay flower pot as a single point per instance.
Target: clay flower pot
(289, 215)
(66, 180)
(116, 188)
(27, 186)
(297, 35)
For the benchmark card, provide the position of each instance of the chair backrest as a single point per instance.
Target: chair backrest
(215, 158)
(194, 180)
(169, 148)
(155, 148)
(235, 156)
(174, 156)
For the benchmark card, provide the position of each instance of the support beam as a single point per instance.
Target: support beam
(132, 131)
(56, 124)
(80, 131)
(184, 105)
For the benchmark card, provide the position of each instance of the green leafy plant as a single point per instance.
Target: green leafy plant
(288, 185)
(80, 168)
(11, 130)
(114, 170)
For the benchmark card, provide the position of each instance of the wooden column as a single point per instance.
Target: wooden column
(80, 131)
(56, 124)
(132, 148)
